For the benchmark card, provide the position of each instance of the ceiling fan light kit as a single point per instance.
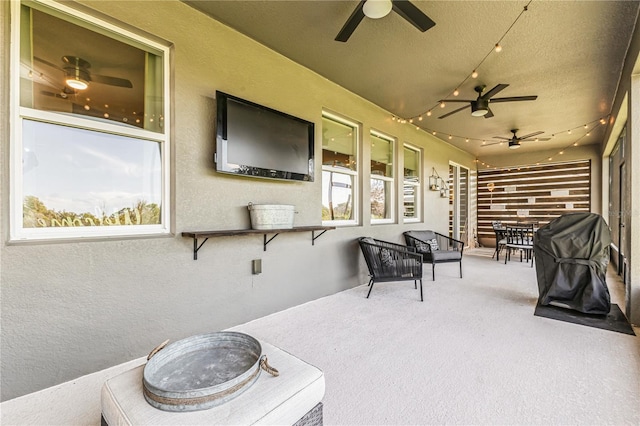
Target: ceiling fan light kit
(376, 9)
(76, 73)
(479, 108)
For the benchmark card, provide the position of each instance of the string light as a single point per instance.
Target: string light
(442, 104)
(497, 47)
(574, 144)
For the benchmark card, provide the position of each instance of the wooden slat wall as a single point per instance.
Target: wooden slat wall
(531, 193)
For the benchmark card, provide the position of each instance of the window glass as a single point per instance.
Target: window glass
(411, 184)
(339, 171)
(91, 140)
(382, 182)
(76, 177)
(338, 144)
(67, 68)
(381, 156)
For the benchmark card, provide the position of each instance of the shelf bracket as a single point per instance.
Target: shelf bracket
(314, 237)
(268, 241)
(196, 247)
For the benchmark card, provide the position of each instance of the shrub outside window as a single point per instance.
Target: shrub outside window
(382, 178)
(90, 144)
(411, 184)
(339, 170)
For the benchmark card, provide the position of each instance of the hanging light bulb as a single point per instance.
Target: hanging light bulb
(376, 9)
(429, 113)
(420, 118)
(450, 137)
(442, 104)
(569, 131)
(498, 48)
(434, 133)
(456, 92)
(474, 74)
(411, 120)
(393, 117)
(603, 121)
(588, 133)
(586, 127)
(466, 140)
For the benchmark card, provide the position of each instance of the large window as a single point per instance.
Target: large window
(339, 170)
(382, 178)
(90, 143)
(412, 184)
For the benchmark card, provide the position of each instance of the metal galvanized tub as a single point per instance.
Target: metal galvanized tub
(271, 216)
(202, 371)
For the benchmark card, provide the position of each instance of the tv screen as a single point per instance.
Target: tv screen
(254, 140)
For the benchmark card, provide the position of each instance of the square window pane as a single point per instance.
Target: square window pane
(410, 201)
(337, 196)
(68, 68)
(411, 163)
(76, 177)
(339, 143)
(380, 199)
(381, 156)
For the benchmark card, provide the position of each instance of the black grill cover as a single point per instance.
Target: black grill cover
(572, 254)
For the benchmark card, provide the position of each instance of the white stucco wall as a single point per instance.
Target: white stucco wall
(72, 308)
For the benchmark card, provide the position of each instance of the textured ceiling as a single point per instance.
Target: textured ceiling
(568, 53)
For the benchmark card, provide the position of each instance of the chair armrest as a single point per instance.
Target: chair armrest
(456, 245)
(393, 246)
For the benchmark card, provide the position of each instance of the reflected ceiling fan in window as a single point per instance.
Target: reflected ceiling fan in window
(376, 9)
(78, 77)
(480, 106)
(514, 141)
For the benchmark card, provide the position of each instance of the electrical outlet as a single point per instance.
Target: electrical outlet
(256, 266)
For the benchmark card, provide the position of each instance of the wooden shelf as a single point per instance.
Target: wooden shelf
(235, 232)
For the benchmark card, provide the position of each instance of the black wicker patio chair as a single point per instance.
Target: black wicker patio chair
(435, 248)
(388, 262)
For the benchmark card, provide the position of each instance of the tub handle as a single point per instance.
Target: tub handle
(157, 349)
(264, 364)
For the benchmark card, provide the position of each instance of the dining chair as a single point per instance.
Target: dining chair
(519, 238)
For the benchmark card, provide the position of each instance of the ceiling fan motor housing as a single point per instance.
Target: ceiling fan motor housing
(479, 107)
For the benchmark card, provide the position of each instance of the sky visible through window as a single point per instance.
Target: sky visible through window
(81, 171)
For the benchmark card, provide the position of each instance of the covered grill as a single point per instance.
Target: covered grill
(572, 254)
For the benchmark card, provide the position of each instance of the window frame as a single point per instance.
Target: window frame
(417, 185)
(391, 181)
(356, 174)
(18, 114)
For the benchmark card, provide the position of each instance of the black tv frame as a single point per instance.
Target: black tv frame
(249, 169)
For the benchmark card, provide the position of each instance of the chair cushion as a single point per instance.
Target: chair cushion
(434, 244)
(446, 255)
(421, 246)
(386, 258)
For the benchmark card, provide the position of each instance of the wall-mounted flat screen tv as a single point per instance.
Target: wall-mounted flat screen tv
(254, 140)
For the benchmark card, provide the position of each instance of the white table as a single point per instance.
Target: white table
(270, 400)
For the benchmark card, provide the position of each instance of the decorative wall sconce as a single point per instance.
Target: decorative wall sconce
(444, 190)
(435, 181)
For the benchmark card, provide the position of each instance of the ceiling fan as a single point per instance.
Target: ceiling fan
(514, 141)
(380, 8)
(480, 106)
(78, 77)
